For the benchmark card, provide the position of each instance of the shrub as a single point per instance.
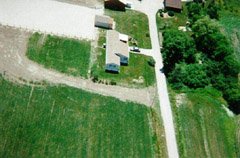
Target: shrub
(171, 13)
(191, 75)
(95, 78)
(113, 82)
(151, 62)
(147, 35)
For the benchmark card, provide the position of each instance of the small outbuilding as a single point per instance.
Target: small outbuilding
(175, 5)
(118, 5)
(104, 22)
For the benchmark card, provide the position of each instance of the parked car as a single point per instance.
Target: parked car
(135, 49)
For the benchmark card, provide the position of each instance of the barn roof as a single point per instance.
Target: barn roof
(173, 4)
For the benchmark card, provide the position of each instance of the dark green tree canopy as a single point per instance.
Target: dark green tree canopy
(191, 75)
(210, 40)
(178, 46)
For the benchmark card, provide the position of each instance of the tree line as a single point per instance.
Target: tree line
(202, 57)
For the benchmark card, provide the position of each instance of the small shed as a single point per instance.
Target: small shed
(118, 5)
(104, 22)
(175, 5)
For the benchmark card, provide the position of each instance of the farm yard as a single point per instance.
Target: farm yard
(61, 121)
(137, 74)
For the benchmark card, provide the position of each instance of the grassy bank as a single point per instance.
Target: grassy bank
(67, 122)
(134, 24)
(204, 128)
(65, 55)
(231, 23)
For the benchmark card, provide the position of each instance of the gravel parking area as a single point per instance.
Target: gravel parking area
(50, 17)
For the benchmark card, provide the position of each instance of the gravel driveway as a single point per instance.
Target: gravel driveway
(50, 17)
(150, 7)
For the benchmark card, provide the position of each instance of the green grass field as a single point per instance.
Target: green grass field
(67, 122)
(204, 128)
(134, 24)
(65, 55)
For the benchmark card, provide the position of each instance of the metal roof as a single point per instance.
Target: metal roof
(114, 47)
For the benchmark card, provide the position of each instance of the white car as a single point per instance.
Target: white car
(135, 49)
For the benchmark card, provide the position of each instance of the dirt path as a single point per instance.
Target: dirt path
(14, 64)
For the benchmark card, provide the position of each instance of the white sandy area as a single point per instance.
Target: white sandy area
(49, 17)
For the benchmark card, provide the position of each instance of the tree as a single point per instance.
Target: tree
(205, 26)
(232, 95)
(203, 31)
(178, 47)
(171, 13)
(210, 40)
(213, 10)
(195, 11)
(151, 62)
(191, 75)
(230, 66)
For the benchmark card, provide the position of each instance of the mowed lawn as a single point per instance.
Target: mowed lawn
(204, 128)
(137, 74)
(64, 55)
(66, 122)
(134, 24)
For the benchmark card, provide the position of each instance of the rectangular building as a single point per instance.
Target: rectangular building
(104, 22)
(117, 52)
